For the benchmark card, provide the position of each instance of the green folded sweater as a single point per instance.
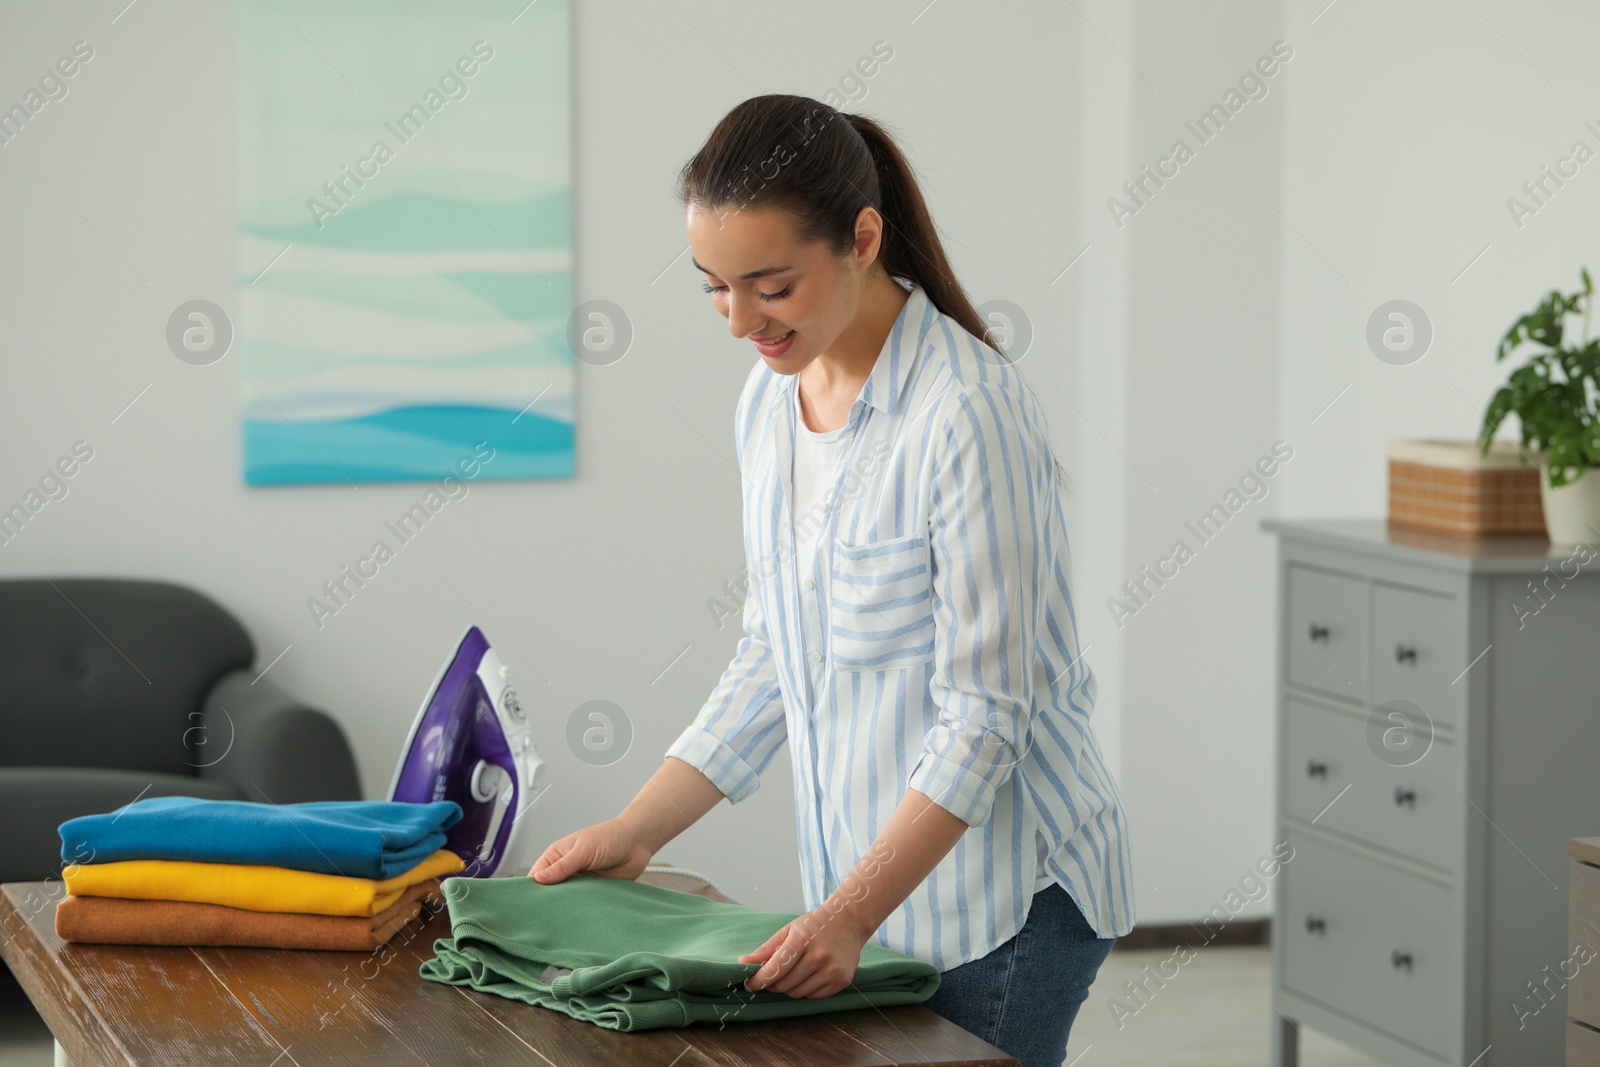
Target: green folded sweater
(630, 956)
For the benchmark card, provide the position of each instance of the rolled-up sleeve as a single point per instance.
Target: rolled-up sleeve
(993, 487)
(742, 725)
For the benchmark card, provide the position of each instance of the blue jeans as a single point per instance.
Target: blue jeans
(1023, 996)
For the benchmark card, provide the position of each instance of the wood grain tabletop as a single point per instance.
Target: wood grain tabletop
(168, 1005)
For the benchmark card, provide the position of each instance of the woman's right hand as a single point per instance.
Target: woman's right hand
(608, 849)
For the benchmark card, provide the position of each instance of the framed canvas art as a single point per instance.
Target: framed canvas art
(405, 240)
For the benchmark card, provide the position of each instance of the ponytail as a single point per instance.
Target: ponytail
(822, 167)
(912, 248)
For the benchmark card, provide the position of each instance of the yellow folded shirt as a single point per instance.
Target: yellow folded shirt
(253, 886)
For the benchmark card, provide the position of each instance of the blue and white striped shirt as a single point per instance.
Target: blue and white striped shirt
(949, 662)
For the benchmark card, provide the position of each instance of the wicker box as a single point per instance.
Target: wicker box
(1444, 486)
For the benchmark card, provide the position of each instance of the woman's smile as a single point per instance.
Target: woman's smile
(776, 347)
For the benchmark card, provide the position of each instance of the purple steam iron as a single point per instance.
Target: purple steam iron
(472, 743)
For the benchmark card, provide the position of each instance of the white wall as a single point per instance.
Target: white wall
(119, 207)
(1179, 357)
(1398, 170)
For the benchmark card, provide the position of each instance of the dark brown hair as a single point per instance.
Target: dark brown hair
(822, 166)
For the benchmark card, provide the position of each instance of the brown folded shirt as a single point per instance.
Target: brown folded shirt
(127, 921)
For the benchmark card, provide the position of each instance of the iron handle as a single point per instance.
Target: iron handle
(1318, 632)
(1315, 924)
(1403, 654)
(1404, 797)
(1401, 961)
(1316, 769)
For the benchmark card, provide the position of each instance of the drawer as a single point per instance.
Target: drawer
(1583, 929)
(1413, 810)
(1416, 653)
(1583, 1046)
(1372, 941)
(1327, 647)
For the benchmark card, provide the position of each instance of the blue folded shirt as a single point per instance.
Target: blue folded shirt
(357, 838)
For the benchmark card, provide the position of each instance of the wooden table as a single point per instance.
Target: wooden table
(137, 1004)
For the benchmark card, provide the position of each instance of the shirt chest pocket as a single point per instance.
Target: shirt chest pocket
(880, 609)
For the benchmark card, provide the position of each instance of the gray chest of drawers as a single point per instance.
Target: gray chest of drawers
(1438, 743)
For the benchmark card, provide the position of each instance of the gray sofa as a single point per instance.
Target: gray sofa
(116, 689)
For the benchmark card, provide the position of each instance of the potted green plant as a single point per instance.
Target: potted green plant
(1556, 397)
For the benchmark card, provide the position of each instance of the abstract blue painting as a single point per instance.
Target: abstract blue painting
(405, 239)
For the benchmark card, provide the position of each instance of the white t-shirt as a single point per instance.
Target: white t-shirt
(816, 466)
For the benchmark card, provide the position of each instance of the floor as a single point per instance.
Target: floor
(1211, 1013)
(1208, 1015)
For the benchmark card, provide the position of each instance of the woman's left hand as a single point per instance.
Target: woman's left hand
(812, 956)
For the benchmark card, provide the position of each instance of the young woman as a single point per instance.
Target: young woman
(909, 629)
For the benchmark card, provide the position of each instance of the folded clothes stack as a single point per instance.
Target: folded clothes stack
(629, 956)
(315, 875)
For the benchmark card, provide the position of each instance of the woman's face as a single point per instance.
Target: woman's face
(771, 288)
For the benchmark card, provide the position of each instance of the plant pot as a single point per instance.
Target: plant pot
(1571, 511)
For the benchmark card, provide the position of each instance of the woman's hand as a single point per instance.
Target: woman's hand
(609, 849)
(813, 956)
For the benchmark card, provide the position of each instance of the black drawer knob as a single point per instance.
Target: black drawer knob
(1405, 798)
(1315, 769)
(1315, 924)
(1405, 654)
(1400, 960)
(1319, 632)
